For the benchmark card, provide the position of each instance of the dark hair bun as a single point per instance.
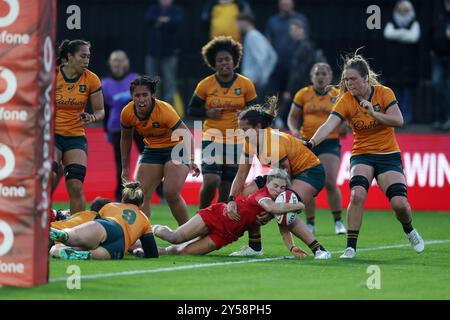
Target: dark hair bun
(132, 185)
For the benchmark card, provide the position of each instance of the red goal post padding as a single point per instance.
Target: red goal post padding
(27, 76)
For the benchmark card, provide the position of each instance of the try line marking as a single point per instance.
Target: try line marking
(216, 264)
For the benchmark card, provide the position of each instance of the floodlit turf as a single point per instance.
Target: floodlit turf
(404, 274)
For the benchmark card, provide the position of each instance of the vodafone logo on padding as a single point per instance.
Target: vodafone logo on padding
(8, 238)
(11, 85)
(12, 14)
(9, 161)
(48, 54)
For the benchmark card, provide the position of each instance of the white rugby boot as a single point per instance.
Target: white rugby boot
(339, 227)
(349, 253)
(416, 241)
(246, 251)
(322, 255)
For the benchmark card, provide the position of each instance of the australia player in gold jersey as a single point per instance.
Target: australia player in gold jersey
(279, 150)
(75, 86)
(78, 218)
(218, 99)
(372, 111)
(110, 235)
(310, 109)
(156, 121)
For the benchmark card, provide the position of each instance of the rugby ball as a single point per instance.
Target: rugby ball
(287, 196)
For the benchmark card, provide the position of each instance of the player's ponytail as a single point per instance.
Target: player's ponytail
(66, 47)
(133, 193)
(62, 52)
(261, 114)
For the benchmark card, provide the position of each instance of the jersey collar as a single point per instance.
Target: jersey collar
(321, 94)
(227, 84)
(74, 80)
(372, 90)
(371, 93)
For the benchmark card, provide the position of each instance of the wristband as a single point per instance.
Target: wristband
(95, 118)
(292, 248)
(230, 198)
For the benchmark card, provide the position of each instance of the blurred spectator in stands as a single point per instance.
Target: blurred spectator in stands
(440, 62)
(403, 34)
(278, 33)
(116, 91)
(259, 57)
(221, 17)
(163, 23)
(305, 55)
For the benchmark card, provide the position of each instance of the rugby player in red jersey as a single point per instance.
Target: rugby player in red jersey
(213, 227)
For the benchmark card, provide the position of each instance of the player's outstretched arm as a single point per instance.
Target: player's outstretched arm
(125, 150)
(286, 235)
(324, 131)
(239, 180)
(236, 188)
(294, 120)
(192, 165)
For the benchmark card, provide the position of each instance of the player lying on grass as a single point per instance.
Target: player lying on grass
(109, 236)
(63, 219)
(214, 228)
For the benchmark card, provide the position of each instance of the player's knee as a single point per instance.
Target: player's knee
(148, 193)
(396, 190)
(358, 196)
(75, 171)
(74, 238)
(330, 186)
(171, 195)
(359, 181)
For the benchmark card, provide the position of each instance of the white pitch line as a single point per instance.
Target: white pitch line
(192, 266)
(396, 246)
(216, 264)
